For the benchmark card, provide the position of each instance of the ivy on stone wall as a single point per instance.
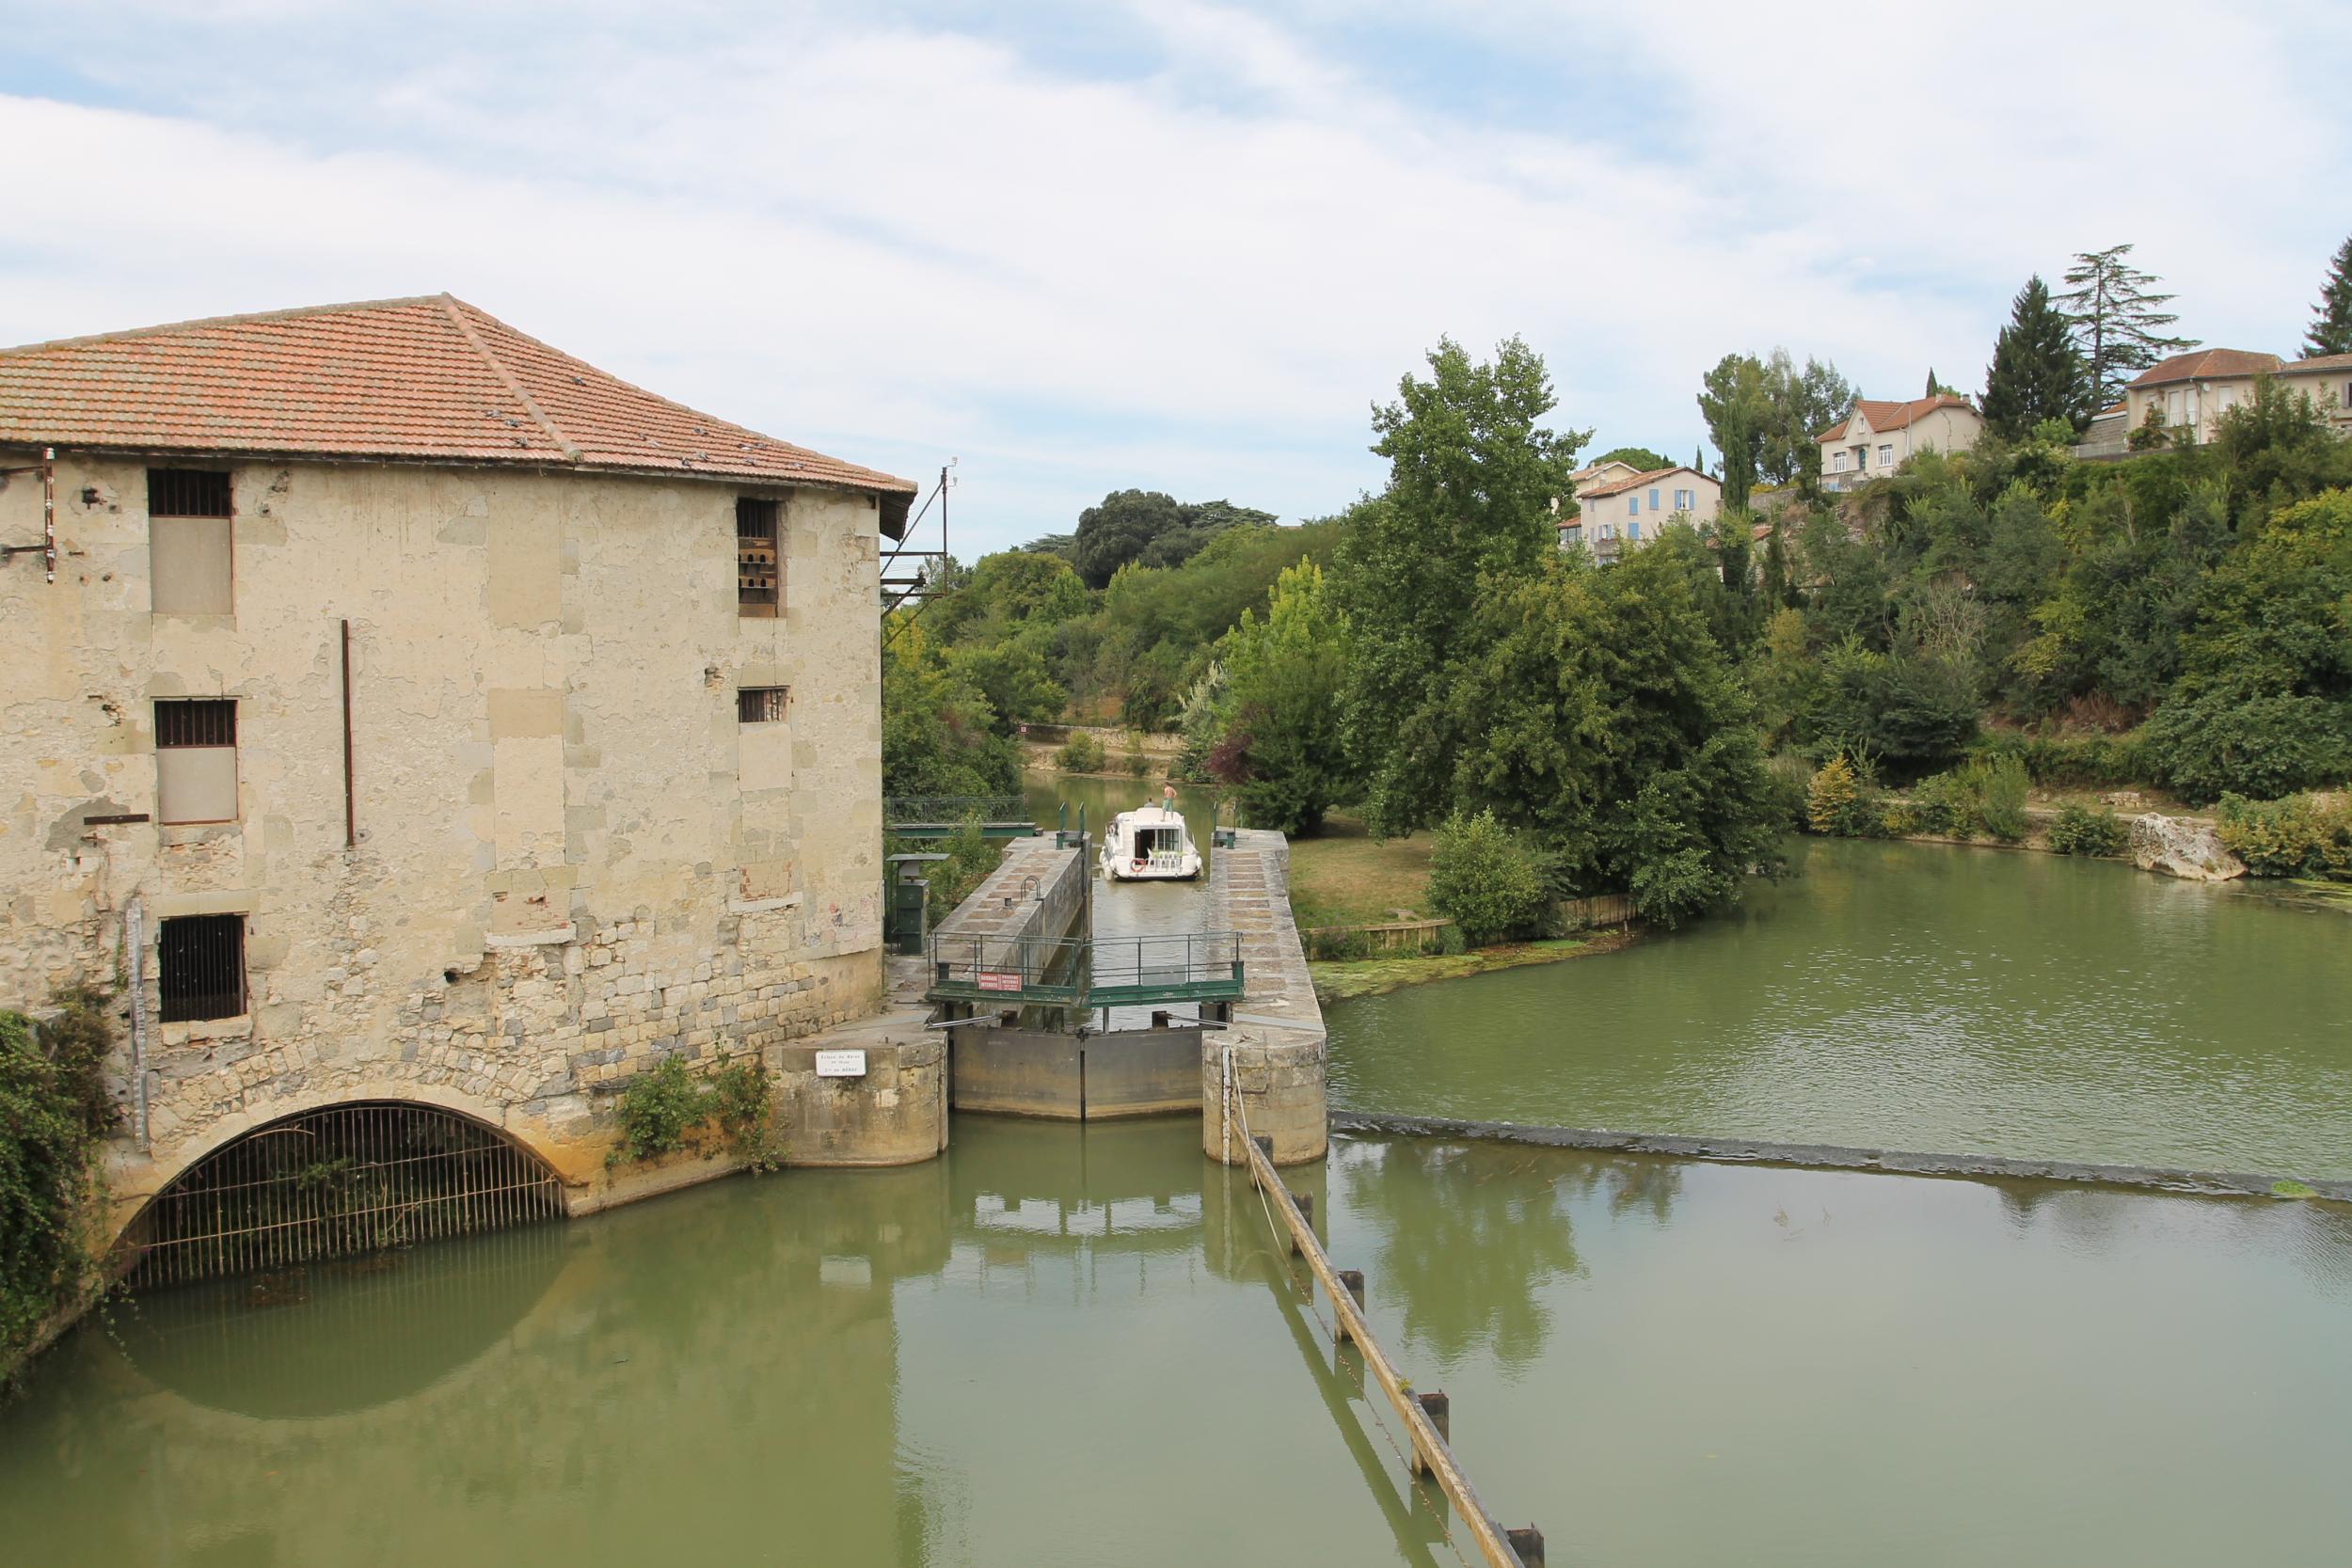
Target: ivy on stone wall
(54, 1109)
(666, 1109)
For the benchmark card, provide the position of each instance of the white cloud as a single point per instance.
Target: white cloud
(897, 242)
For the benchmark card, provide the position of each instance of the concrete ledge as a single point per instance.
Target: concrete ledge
(1036, 891)
(1834, 1157)
(553, 936)
(1272, 1061)
(761, 906)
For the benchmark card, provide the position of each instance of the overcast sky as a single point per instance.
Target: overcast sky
(1173, 246)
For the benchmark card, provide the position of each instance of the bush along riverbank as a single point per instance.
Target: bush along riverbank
(1493, 912)
(54, 1113)
(2305, 838)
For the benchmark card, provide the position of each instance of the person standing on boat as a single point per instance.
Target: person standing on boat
(1168, 796)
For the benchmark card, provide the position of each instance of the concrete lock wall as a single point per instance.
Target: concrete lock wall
(1037, 890)
(1266, 1072)
(572, 857)
(1038, 1072)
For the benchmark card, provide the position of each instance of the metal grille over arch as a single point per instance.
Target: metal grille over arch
(334, 1181)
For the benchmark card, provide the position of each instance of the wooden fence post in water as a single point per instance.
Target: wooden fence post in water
(1529, 1544)
(1305, 1204)
(1422, 1414)
(1441, 1413)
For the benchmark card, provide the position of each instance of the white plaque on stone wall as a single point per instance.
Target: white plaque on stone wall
(841, 1064)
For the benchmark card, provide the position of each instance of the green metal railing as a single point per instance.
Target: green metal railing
(1000, 816)
(1068, 971)
(953, 808)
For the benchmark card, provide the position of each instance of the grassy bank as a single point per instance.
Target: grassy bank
(1345, 877)
(1372, 976)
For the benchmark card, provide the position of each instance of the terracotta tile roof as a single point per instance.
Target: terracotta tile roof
(1893, 415)
(430, 379)
(2317, 364)
(1618, 487)
(2205, 363)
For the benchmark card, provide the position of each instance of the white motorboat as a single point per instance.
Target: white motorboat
(1149, 844)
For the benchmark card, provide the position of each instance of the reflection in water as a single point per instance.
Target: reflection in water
(1916, 997)
(1078, 1344)
(1817, 1367)
(279, 1345)
(1467, 1232)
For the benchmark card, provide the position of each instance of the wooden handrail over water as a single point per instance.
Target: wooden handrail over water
(1430, 1450)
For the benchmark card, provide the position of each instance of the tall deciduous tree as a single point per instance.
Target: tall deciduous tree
(2332, 317)
(2118, 323)
(1615, 733)
(1283, 676)
(1150, 528)
(2035, 373)
(1763, 415)
(1803, 402)
(1736, 409)
(1472, 472)
(1640, 458)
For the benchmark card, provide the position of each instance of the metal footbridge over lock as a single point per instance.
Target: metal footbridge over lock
(998, 816)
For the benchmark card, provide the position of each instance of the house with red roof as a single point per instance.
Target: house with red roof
(2187, 394)
(1620, 509)
(1874, 440)
(413, 713)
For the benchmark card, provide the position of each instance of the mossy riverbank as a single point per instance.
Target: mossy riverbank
(1337, 980)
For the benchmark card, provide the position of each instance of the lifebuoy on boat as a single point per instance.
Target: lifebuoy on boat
(1137, 864)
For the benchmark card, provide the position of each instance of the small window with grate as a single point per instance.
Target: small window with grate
(762, 705)
(195, 760)
(199, 960)
(190, 558)
(759, 564)
(186, 493)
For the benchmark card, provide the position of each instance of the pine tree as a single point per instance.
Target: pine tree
(2115, 320)
(2036, 374)
(2331, 318)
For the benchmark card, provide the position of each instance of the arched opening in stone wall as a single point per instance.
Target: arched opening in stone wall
(333, 1182)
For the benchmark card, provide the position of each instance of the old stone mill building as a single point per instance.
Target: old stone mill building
(405, 711)
(421, 733)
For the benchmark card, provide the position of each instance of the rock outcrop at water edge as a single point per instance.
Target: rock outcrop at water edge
(2186, 847)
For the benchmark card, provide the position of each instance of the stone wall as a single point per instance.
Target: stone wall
(1036, 891)
(1268, 1070)
(571, 857)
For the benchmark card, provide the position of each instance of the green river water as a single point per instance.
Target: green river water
(1911, 996)
(1063, 1345)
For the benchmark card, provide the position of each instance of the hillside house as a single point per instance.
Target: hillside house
(1619, 512)
(1874, 440)
(416, 713)
(2188, 393)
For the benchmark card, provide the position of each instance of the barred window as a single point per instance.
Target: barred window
(762, 705)
(201, 963)
(190, 551)
(186, 493)
(758, 566)
(197, 721)
(195, 760)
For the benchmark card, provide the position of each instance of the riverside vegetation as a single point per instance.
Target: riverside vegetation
(1912, 656)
